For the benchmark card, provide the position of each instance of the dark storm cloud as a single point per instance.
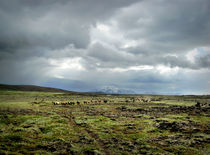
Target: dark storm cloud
(164, 32)
(204, 61)
(25, 26)
(173, 22)
(107, 56)
(51, 23)
(135, 45)
(106, 53)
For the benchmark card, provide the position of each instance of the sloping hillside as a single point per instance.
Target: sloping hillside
(31, 88)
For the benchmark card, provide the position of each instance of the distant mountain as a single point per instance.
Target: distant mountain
(114, 90)
(31, 88)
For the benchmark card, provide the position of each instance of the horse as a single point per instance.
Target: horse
(56, 103)
(64, 103)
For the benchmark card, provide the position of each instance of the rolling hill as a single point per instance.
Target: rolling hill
(31, 88)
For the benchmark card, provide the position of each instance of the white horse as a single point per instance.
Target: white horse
(56, 103)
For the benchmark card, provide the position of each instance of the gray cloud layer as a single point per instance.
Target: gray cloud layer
(144, 46)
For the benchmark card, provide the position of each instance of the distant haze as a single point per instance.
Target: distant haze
(131, 46)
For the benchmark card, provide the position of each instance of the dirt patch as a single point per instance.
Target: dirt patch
(188, 127)
(185, 140)
(161, 111)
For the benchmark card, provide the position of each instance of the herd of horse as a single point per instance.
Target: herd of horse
(79, 102)
(101, 101)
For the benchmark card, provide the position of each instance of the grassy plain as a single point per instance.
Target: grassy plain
(31, 124)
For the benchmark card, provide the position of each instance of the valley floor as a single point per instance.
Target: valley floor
(31, 124)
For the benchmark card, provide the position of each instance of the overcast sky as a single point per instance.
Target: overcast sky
(136, 46)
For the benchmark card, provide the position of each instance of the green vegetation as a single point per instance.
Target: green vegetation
(31, 124)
